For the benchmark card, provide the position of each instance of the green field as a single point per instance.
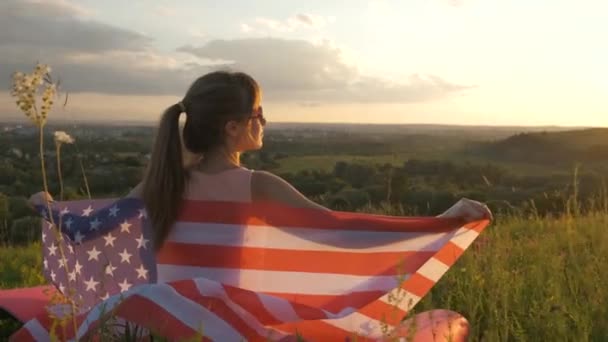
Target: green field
(525, 279)
(327, 162)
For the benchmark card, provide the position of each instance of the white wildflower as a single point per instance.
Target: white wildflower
(62, 137)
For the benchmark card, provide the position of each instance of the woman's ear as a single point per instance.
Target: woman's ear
(232, 128)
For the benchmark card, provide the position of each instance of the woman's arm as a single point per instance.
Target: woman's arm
(267, 187)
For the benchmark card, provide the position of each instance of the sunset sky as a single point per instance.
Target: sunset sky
(471, 62)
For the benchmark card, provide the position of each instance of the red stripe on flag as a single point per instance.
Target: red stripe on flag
(418, 284)
(449, 253)
(216, 305)
(157, 319)
(316, 331)
(250, 301)
(253, 258)
(381, 311)
(284, 216)
(22, 335)
(332, 303)
(477, 226)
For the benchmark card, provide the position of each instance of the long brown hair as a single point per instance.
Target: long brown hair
(210, 102)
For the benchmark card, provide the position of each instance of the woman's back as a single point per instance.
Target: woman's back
(232, 185)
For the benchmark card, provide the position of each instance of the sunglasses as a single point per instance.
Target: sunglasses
(259, 114)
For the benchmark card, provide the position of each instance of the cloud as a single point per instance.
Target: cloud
(87, 55)
(57, 25)
(43, 8)
(266, 26)
(91, 56)
(297, 70)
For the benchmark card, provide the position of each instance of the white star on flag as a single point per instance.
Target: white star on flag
(142, 272)
(72, 276)
(52, 249)
(64, 211)
(125, 256)
(124, 286)
(68, 223)
(43, 237)
(61, 288)
(95, 224)
(124, 227)
(142, 213)
(110, 269)
(78, 237)
(91, 284)
(114, 210)
(87, 211)
(77, 267)
(109, 239)
(93, 254)
(53, 275)
(141, 242)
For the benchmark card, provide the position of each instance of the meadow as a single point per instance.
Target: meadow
(536, 274)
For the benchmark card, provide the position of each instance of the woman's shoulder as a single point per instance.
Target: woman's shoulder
(266, 186)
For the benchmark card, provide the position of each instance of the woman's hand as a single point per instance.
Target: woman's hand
(40, 198)
(469, 210)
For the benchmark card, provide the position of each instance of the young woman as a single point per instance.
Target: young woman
(223, 118)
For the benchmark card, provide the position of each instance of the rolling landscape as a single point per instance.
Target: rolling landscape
(534, 273)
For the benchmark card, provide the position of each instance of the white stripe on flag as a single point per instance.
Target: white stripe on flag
(99, 310)
(405, 300)
(279, 308)
(192, 314)
(214, 289)
(38, 332)
(433, 269)
(359, 324)
(278, 281)
(305, 239)
(463, 237)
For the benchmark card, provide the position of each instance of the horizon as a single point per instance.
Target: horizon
(149, 123)
(442, 62)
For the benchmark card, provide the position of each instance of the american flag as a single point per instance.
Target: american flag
(103, 248)
(255, 272)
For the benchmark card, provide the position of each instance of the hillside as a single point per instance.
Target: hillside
(563, 148)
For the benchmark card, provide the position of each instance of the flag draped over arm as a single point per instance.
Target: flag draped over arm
(237, 271)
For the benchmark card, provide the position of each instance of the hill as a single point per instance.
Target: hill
(562, 148)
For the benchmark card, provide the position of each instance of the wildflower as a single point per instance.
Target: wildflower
(62, 137)
(25, 88)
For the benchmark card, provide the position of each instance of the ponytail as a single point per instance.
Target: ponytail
(165, 179)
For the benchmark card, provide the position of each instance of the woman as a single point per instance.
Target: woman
(223, 118)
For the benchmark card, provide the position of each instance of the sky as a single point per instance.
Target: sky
(466, 62)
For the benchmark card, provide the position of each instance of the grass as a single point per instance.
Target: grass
(532, 280)
(524, 279)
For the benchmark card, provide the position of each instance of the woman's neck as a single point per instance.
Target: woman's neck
(219, 160)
